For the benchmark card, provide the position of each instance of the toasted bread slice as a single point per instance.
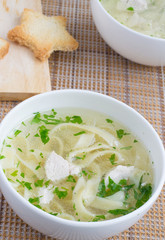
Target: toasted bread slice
(4, 48)
(42, 34)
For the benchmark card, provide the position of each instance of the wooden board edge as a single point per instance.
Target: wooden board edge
(19, 96)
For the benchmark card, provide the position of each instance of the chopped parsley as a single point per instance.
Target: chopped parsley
(143, 193)
(36, 118)
(23, 124)
(28, 185)
(39, 183)
(44, 134)
(74, 206)
(112, 159)
(36, 135)
(109, 120)
(73, 187)
(17, 132)
(27, 135)
(47, 183)
(82, 158)
(135, 141)
(130, 9)
(98, 218)
(60, 194)
(19, 149)
(25, 184)
(54, 214)
(22, 174)
(9, 138)
(121, 211)
(79, 133)
(71, 179)
(121, 133)
(14, 174)
(112, 187)
(10, 180)
(2, 156)
(18, 163)
(38, 166)
(34, 200)
(41, 155)
(126, 148)
(8, 145)
(74, 119)
(31, 150)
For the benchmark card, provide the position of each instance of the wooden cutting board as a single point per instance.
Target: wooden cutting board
(21, 74)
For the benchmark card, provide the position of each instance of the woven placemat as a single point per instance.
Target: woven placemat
(95, 66)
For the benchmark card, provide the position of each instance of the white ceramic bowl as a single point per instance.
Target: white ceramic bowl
(130, 44)
(71, 230)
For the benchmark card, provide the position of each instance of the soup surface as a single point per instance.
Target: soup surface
(78, 165)
(145, 16)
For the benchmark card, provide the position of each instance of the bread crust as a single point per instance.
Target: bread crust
(4, 48)
(42, 34)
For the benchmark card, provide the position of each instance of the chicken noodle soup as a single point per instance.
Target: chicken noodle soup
(77, 165)
(144, 16)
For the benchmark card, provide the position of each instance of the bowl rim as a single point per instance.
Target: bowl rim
(139, 34)
(72, 223)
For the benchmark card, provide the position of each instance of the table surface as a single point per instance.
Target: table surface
(95, 66)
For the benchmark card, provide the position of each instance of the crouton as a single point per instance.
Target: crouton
(42, 34)
(4, 48)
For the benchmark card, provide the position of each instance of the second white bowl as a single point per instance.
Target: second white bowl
(130, 44)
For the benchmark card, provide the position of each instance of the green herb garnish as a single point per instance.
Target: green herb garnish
(22, 174)
(74, 206)
(39, 183)
(15, 173)
(71, 179)
(112, 187)
(60, 194)
(112, 159)
(82, 158)
(126, 148)
(2, 156)
(130, 9)
(41, 155)
(121, 133)
(47, 183)
(9, 138)
(38, 166)
(79, 133)
(44, 134)
(74, 119)
(143, 193)
(36, 118)
(54, 214)
(19, 149)
(25, 184)
(98, 218)
(18, 163)
(109, 120)
(121, 211)
(27, 135)
(17, 132)
(23, 124)
(34, 200)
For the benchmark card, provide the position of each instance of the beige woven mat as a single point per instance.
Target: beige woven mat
(97, 67)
